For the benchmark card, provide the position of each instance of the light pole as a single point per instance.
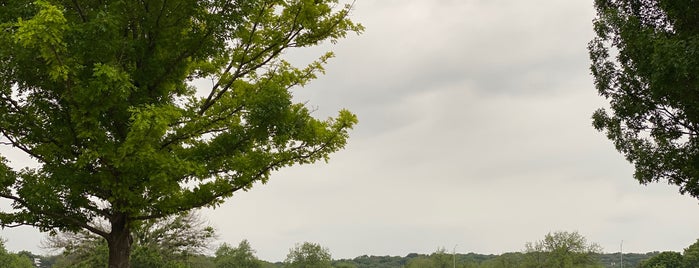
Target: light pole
(454, 253)
(621, 253)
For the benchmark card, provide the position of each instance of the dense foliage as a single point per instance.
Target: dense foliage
(101, 95)
(665, 259)
(645, 61)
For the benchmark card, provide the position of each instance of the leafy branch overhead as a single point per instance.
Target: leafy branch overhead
(645, 63)
(101, 95)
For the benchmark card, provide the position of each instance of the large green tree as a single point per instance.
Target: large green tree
(100, 95)
(645, 61)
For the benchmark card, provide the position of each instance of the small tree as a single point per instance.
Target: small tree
(308, 255)
(242, 256)
(163, 243)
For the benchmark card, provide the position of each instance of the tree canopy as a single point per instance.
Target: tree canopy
(645, 62)
(101, 95)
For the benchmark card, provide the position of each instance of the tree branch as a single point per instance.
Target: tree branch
(251, 180)
(213, 96)
(61, 216)
(79, 11)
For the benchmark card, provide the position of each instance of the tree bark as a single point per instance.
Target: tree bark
(119, 243)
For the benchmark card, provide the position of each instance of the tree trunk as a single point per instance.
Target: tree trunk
(119, 243)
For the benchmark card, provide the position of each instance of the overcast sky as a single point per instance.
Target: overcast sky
(474, 131)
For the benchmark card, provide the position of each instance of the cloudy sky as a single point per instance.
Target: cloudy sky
(474, 132)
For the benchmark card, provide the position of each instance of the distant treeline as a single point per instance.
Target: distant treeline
(608, 260)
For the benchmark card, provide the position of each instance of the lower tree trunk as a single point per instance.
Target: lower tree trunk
(119, 243)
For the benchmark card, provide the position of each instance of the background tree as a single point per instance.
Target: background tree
(242, 256)
(438, 259)
(645, 63)
(421, 262)
(442, 259)
(99, 94)
(308, 255)
(505, 260)
(665, 259)
(562, 250)
(169, 242)
(11, 260)
(344, 265)
(690, 255)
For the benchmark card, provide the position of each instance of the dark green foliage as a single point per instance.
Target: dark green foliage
(690, 255)
(667, 259)
(645, 61)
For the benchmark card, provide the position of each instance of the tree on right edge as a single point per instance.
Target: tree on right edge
(645, 61)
